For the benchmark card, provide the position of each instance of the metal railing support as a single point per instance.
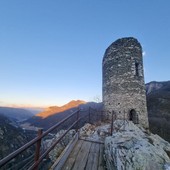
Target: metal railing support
(35, 140)
(38, 157)
(77, 124)
(38, 146)
(52, 146)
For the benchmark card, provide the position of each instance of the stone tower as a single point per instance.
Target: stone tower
(123, 81)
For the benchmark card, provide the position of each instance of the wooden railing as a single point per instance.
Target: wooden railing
(37, 140)
(40, 156)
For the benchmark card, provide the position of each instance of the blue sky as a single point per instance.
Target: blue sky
(51, 51)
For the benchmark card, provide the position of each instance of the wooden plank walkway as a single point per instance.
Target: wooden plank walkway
(85, 155)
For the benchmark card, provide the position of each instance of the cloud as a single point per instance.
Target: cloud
(144, 53)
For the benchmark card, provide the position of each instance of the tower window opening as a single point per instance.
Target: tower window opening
(137, 69)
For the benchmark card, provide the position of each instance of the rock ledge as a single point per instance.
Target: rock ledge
(132, 148)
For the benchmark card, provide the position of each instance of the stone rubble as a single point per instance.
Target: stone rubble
(93, 132)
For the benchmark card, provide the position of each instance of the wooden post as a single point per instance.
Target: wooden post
(77, 117)
(38, 146)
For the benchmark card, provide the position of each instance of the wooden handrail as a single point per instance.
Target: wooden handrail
(48, 150)
(39, 158)
(29, 144)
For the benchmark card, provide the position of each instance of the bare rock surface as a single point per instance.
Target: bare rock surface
(132, 148)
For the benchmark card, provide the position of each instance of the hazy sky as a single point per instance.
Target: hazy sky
(51, 50)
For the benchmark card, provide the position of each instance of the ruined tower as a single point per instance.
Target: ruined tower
(123, 81)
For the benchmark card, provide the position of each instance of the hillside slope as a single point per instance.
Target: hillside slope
(11, 138)
(158, 103)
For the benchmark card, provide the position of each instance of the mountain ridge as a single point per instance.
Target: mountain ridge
(156, 85)
(47, 122)
(57, 109)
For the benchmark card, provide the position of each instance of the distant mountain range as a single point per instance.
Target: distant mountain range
(14, 120)
(158, 103)
(13, 135)
(54, 114)
(34, 110)
(16, 114)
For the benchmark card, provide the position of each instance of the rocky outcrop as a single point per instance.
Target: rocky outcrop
(131, 147)
(153, 86)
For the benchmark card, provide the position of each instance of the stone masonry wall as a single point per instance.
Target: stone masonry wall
(123, 80)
